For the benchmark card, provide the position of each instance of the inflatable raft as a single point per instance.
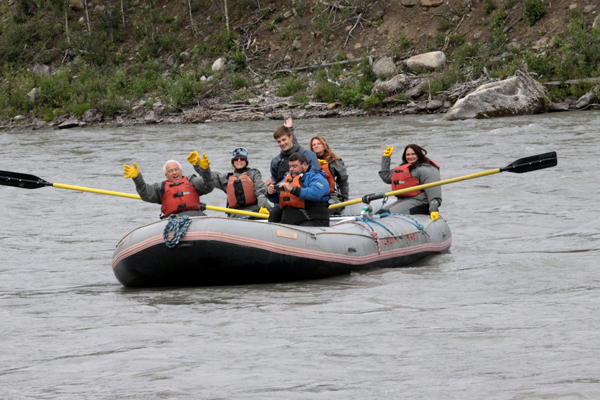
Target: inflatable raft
(231, 251)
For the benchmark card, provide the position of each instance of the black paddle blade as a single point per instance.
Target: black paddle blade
(532, 163)
(25, 181)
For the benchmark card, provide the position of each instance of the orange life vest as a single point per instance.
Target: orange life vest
(288, 199)
(325, 167)
(402, 179)
(179, 196)
(240, 191)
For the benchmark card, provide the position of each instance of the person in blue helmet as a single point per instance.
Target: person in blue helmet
(244, 186)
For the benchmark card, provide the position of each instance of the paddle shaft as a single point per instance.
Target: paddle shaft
(420, 187)
(42, 183)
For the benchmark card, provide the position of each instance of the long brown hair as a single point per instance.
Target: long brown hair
(328, 155)
(421, 155)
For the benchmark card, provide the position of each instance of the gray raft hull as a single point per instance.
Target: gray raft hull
(228, 251)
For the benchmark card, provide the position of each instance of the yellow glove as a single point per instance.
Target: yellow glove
(204, 163)
(388, 151)
(263, 210)
(322, 162)
(131, 172)
(435, 215)
(194, 158)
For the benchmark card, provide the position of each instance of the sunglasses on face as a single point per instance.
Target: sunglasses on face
(239, 159)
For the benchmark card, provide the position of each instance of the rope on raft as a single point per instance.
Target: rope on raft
(178, 226)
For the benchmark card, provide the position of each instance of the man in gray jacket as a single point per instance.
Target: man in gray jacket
(177, 194)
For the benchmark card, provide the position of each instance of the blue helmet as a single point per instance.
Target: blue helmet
(239, 152)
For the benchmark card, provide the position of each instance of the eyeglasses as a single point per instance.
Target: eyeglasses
(239, 159)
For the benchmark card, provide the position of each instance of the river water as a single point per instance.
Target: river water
(512, 312)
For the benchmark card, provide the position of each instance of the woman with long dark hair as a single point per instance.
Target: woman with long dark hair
(334, 169)
(416, 169)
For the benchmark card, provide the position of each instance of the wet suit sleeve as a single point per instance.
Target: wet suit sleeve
(385, 173)
(429, 174)
(341, 178)
(220, 180)
(204, 183)
(150, 193)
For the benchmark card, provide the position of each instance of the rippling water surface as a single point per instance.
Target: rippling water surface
(512, 312)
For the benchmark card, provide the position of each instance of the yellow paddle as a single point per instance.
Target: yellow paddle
(519, 166)
(26, 181)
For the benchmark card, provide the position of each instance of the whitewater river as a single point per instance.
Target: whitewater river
(512, 312)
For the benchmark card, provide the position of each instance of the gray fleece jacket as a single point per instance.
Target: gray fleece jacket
(152, 192)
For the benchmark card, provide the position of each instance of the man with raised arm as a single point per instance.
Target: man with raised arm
(177, 194)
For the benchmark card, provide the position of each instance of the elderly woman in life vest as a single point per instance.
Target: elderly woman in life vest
(335, 171)
(244, 186)
(416, 169)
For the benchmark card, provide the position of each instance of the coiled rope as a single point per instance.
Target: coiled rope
(178, 226)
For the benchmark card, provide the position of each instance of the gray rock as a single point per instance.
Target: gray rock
(41, 69)
(32, 94)
(219, 65)
(409, 3)
(586, 100)
(92, 115)
(385, 67)
(150, 118)
(434, 105)
(422, 106)
(185, 56)
(99, 9)
(554, 107)
(70, 123)
(432, 3)
(20, 117)
(517, 95)
(427, 61)
(138, 112)
(400, 84)
(596, 22)
(296, 44)
(210, 78)
(76, 4)
(477, 34)
(288, 14)
(171, 60)
(164, 75)
(589, 9)
(202, 78)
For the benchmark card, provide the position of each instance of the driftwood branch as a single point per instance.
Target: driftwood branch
(370, 58)
(350, 33)
(570, 82)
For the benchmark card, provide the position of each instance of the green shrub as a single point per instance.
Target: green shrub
(354, 94)
(326, 92)
(291, 85)
(79, 109)
(373, 101)
(489, 6)
(301, 98)
(278, 18)
(534, 11)
(499, 20)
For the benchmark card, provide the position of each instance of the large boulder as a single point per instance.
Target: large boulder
(385, 67)
(400, 84)
(427, 61)
(92, 115)
(517, 95)
(585, 100)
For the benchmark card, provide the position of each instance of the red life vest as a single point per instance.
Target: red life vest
(402, 179)
(240, 191)
(179, 196)
(288, 199)
(325, 167)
